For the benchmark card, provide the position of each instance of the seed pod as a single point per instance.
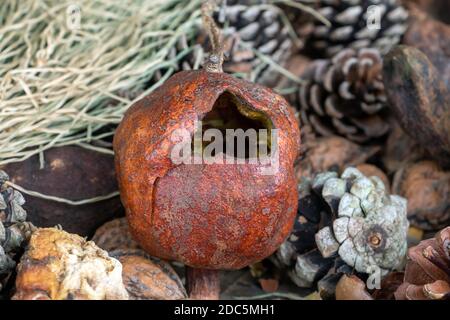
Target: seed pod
(72, 173)
(173, 209)
(420, 99)
(62, 266)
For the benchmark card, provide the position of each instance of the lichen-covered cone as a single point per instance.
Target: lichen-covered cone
(216, 216)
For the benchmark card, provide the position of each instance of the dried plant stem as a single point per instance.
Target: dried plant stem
(202, 284)
(214, 61)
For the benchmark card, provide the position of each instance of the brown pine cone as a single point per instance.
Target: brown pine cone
(345, 96)
(350, 25)
(427, 274)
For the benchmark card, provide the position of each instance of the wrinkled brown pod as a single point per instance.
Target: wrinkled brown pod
(209, 216)
(420, 99)
(427, 188)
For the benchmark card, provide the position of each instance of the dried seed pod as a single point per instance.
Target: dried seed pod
(73, 173)
(427, 188)
(331, 153)
(432, 37)
(148, 278)
(400, 150)
(61, 266)
(346, 223)
(388, 286)
(420, 99)
(427, 273)
(192, 213)
(115, 235)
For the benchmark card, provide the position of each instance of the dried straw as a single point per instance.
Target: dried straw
(60, 84)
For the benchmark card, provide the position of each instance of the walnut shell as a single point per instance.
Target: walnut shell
(427, 188)
(149, 278)
(61, 266)
(215, 216)
(115, 235)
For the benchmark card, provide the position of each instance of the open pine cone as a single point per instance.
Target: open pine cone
(14, 230)
(351, 26)
(427, 274)
(345, 224)
(246, 27)
(345, 96)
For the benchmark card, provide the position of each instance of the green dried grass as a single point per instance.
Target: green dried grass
(59, 86)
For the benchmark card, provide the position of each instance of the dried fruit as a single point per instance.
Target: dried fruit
(427, 274)
(73, 173)
(115, 235)
(148, 278)
(201, 214)
(345, 96)
(420, 100)
(427, 188)
(344, 224)
(61, 266)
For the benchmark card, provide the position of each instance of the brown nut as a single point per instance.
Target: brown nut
(212, 216)
(114, 235)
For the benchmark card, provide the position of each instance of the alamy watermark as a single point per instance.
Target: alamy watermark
(229, 146)
(73, 17)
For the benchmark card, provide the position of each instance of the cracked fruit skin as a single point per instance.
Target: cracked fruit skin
(213, 216)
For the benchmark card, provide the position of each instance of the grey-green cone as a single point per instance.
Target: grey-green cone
(345, 224)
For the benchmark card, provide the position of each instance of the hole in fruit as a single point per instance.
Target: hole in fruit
(234, 128)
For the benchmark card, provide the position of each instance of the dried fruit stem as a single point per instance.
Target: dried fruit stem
(215, 59)
(202, 284)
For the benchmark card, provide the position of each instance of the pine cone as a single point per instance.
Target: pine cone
(351, 28)
(345, 96)
(427, 274)
(14, 230)
(344, 225)
(245, 28)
